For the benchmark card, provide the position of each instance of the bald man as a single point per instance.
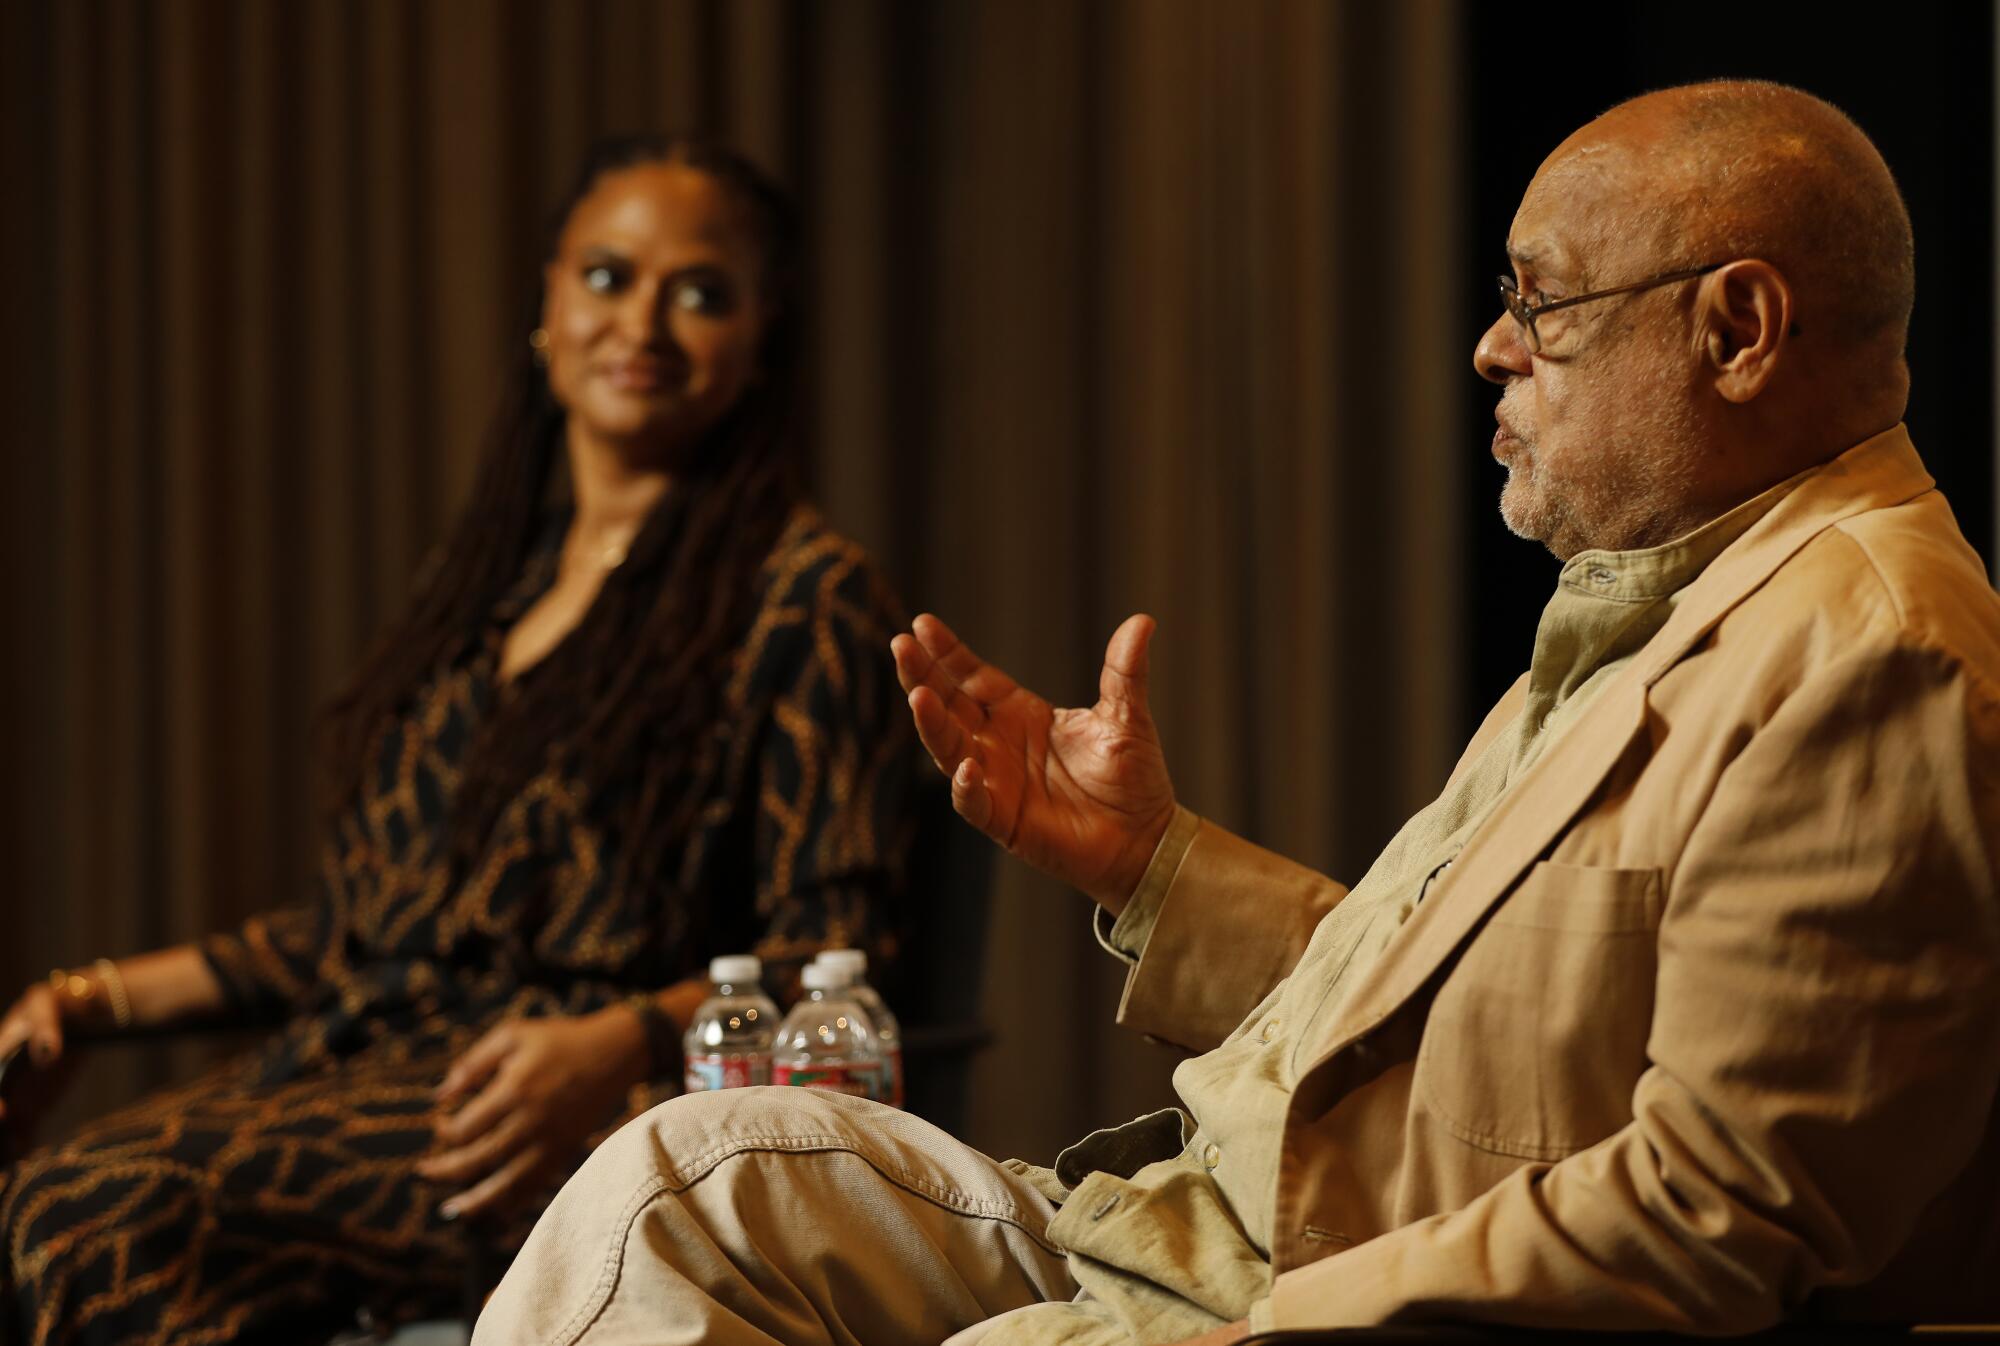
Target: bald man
(1678, 1009)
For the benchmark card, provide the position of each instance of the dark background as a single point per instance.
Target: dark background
(1917, 77)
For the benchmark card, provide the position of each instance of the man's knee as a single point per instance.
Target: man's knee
(850, 1156)
(768, 1111)
(701, 1205)
(683, 1138)
(680, 1140)
(663, 1152)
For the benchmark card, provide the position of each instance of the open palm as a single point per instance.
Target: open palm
(1082, 794)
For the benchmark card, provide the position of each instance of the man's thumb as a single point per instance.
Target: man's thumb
(1123, 681)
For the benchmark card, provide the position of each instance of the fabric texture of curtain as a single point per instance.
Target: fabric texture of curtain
(1128, 305)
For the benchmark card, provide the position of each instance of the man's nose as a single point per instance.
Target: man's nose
(1502, 353)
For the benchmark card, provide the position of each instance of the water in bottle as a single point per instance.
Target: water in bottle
(728, 1045)
(888, 1034)
(826, 1042)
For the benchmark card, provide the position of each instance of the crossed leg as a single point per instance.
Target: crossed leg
(748, 1217)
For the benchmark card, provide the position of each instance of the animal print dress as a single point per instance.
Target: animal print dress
(274, 1198)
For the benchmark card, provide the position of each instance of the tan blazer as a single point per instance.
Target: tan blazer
(1702, 1029)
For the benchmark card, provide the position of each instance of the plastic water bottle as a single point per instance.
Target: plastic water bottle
(826, 1042)
(729, 1043)
(888, 1034)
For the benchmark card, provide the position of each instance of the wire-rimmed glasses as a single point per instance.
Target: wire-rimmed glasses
(1525, 313)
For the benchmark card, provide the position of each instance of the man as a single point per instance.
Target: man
(1678, 1009)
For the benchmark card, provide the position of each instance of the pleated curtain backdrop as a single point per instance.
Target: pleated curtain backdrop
(1121, 305)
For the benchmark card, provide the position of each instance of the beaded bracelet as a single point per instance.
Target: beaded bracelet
(114, 986)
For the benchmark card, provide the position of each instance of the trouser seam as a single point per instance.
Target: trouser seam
(614, 1259)
(685, 1176)
(950, 1198)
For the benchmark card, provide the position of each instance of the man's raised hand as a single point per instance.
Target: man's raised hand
(1081, 794)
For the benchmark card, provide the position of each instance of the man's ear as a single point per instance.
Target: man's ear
(1743, 317)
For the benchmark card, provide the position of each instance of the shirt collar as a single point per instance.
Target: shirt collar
(1655, 572)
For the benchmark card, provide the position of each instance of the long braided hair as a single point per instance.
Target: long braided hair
(632, 696)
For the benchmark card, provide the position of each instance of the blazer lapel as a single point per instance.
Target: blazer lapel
(1879, 472)
(1522, 827)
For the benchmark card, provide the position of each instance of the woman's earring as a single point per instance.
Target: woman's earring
(538, 342)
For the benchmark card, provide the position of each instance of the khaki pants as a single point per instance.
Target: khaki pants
(784, 1215)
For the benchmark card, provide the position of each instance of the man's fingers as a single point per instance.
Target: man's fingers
(953, 655)
(972, 799)
(1126, 660)
(943, 737)
(915, 669)
(513, 1176)
(917, 665)
(954, 660)
(913, 665)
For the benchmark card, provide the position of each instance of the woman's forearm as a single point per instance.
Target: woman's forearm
(680, 1001)
(171, 986)
(663, 1018)
(147, 990)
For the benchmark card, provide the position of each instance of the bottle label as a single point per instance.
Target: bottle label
(726, 1070)
(836, 1077)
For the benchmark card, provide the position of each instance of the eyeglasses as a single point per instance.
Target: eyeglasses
(1524, 313)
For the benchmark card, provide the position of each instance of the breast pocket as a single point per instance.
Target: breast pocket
(1538, 1034)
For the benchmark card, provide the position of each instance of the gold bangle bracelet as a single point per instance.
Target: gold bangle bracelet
(114, 986)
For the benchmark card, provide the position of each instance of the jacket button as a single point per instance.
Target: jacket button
(1211, 1156)
(1270, 1030)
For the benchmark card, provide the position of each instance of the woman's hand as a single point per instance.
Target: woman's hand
(1081, 794)
(33, 1026)
(543, 1086)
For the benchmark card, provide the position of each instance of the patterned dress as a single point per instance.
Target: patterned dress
(273, 1198)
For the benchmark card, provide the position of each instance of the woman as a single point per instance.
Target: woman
(640, 712)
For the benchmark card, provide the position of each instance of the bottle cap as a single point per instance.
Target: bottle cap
(825, 977)
(854, 961)
(735, 969)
